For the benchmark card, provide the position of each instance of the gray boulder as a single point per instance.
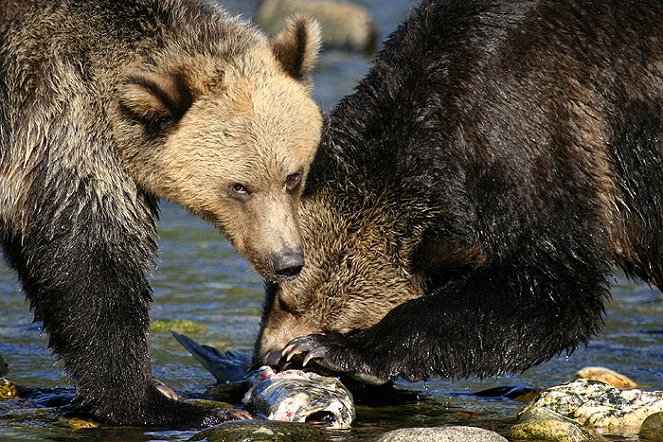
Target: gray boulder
(441, 434)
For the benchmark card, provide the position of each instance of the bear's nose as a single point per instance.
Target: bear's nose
(288, 265)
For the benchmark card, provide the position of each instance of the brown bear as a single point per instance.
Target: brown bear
(469, 200)
(107, 106)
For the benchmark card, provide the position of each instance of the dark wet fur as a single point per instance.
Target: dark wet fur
(502, 156)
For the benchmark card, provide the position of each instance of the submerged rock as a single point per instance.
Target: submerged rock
(249, 431)
(344, 25)
(607, 376)
(543, 424)
(441, 434)
(652, 428)
(7, 390)
(597, 404)
(178, 325)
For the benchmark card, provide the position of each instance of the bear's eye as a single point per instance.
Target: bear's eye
(238, 190)
(292, 181)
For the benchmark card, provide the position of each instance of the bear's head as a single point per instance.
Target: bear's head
(229, 134)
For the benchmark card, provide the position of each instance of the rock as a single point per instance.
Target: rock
(599, 405)
(183, 326)
(607, 376)
(343, 25)
(7, 390)
(544, 424)
(441, 434)
(249, 431)
(652, 428)
(74, 423)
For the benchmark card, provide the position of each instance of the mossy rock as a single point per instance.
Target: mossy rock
(206, 403)
(7, 390)
(652, 427)
(182, 326)
(259, 430)
(546, 425)
(75, 423)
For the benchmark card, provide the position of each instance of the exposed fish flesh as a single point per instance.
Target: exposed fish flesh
(289, 395)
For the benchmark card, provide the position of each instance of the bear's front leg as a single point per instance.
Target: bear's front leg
(495, 321)
(86, 284)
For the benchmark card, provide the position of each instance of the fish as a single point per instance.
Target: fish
(289, 395)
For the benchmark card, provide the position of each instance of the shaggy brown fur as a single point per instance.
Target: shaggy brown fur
(106, 106)
(469, 200)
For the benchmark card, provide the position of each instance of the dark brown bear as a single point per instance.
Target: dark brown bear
(106, 106)
(470, 199)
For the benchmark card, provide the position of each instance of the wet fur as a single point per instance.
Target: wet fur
(470, 199)
(106, 106)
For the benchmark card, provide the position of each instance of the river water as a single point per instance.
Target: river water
(202, 279)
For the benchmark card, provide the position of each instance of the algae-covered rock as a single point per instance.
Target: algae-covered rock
(184, 326)
(652, 428)
(343, 24)
(607, 376)
(441, 434)
(75, 423)
(207, 403)
(542, 424)
(598, 404)
(250, 431)
(7, 390)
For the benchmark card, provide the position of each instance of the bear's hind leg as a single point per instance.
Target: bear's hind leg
(639, 167)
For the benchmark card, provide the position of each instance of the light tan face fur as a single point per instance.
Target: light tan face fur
(254, 136)
(239, 154)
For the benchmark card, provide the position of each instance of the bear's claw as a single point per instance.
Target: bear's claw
(316, 347)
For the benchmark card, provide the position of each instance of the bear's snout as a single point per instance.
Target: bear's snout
(288, 265)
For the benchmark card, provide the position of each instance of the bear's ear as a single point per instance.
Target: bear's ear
(296, 47)
(153, 98)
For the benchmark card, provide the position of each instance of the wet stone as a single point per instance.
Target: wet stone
(7, 390)
(652, 428)
(250, 431)
(607, 376)
(599, 405)
(441, 434)
(546, 425)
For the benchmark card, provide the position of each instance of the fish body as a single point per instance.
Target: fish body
(289, 395)
(298, 396)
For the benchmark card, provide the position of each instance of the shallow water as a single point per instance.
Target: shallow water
(203, 279)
